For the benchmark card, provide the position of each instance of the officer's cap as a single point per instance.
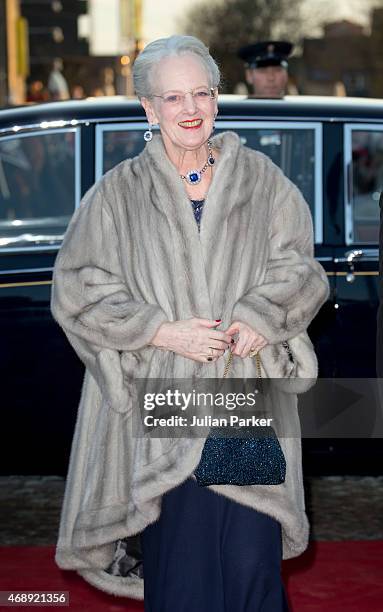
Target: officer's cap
(266, 53)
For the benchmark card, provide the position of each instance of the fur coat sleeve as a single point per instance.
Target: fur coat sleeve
(295, 284)
(92, 302)
(91, 296)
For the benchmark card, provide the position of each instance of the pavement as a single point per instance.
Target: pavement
(338, 507)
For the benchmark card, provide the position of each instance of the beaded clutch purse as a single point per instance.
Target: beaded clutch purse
(254, 458)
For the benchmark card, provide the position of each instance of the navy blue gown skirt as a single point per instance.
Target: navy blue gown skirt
(207, 553)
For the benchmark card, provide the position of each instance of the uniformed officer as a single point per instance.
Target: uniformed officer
(266, 67)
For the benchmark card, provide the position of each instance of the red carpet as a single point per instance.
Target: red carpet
(328, 577)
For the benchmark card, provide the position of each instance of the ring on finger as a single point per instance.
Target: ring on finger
(253, 351)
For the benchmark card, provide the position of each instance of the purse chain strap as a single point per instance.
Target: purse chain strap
(230, 359)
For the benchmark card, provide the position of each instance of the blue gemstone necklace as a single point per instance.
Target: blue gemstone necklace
(193, 177)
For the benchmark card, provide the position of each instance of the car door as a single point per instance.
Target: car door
(357, 257)
(39, 190)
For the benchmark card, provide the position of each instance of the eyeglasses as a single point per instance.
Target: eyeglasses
(177, 98)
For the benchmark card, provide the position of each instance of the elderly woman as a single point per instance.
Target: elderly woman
(195, 248)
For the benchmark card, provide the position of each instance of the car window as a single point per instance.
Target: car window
(116, 143)
(37, 187)
(366, 183)
(295, 148)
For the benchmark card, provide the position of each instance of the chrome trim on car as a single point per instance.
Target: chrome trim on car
(30, 249)
(25, 270)
(359, 255)
(26, 128)
(32, 238)
(20, 129)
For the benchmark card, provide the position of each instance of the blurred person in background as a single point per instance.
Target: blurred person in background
(267, 68)
(78, 92)
(108, 77)
(57, 85)
(37, 92)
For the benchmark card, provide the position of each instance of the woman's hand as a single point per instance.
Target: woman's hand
(193, 338)
(248, 339)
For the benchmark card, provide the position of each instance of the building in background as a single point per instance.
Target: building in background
(53, 31)
(14, 53)
(114, 30)
(347, 60)
(53, 49)
(54, 40)
(3, 55)
(376, 50)
(96, 42)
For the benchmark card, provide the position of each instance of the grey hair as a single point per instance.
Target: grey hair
(158, 50)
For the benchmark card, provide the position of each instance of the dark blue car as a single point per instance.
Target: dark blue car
(50, 154)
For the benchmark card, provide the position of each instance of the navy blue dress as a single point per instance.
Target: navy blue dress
(209, 553)
(197, 209)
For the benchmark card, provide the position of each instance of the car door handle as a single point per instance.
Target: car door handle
(351, 257)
